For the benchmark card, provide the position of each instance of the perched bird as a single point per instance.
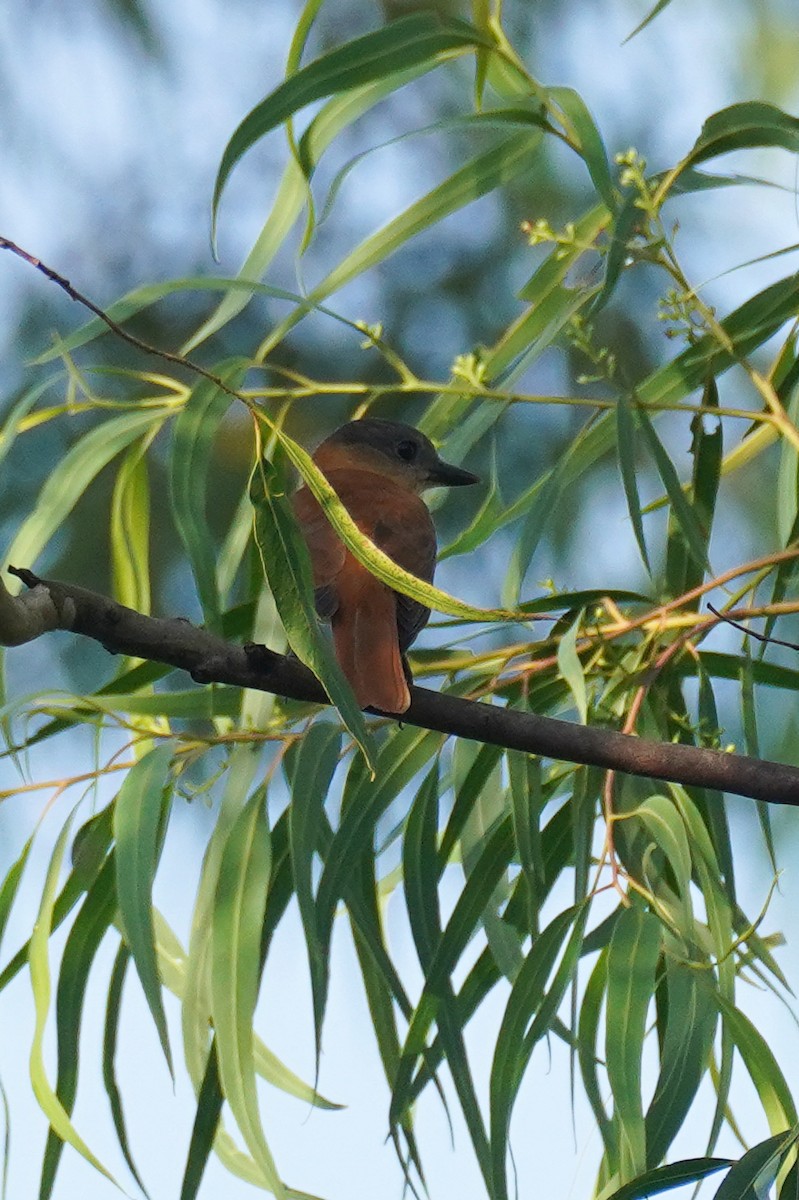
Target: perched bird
(378, 469)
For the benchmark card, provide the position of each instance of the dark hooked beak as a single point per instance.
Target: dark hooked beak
(445, 475)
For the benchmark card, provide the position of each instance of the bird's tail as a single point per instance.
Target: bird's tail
(367, 648)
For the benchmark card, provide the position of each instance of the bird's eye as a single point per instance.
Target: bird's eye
(407, 451)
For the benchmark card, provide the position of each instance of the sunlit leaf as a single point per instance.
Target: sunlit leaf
(528, 1016)
(571, 668)
(492, 169)
(634, 951)
(46, 1097)
(139, 815)
(93, 921)
(396, 47)
(69, 480)
(192, 444)
(235, 973)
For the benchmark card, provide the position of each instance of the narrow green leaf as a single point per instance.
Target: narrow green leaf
(82, 463)
(744, 126)
(581, 127)
(139, 818)
(466, 918)
(729, 666)
(397, 46)
(586, 790)
(684, 1056)
(543, 504)
(142, 298)
(274, 1071)
(683, 571)
(200, 1054)
(789, 1184)
(666, 1179)
(130, 530)
(6, 1140)
(707, 449)
(48, 1101)
(527, 803)
(663, 822)
(385, 993)
(234, 547)
(15, 417)
(191, 704)
(752, 745)
(292, 192)
(311, 773)
(788, 477)
(650, 16)
(754, 1174)
(500, 118)
(719, 920)
(236, 925)
(379, 988)
(302, 31)
(487, 171)
(196, 997)
(420, 874)
(287, 568)
(10, 885)
(684, 513)
(626, 453)
(420, 869)
(111, 1029)
(588, 1054)
(764, 1070)
(530, 1000)
(633, 956)
(366, 799)
(92, 923)
(88, 854)
(570, 667)
(192, 445)
(467, 792)
(204, 1129)
(485, 522)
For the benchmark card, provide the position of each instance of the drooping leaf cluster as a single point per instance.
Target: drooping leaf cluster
(607, 907)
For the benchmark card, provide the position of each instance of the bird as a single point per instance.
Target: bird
(378, 469)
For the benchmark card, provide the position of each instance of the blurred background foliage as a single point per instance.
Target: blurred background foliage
(116, 116)
(118, 130)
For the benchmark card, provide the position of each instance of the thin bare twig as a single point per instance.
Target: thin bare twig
(147, 347)
(760, 637)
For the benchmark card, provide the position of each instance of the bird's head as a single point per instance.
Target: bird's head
(392, 449)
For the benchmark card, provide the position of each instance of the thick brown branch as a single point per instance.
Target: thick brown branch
(209, 658)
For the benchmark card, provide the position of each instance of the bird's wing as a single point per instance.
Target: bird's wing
(326, 550)
(411, 543)
(394, 518)
(409, 539)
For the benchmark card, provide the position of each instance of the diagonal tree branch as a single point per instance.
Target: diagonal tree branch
(50, 605)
